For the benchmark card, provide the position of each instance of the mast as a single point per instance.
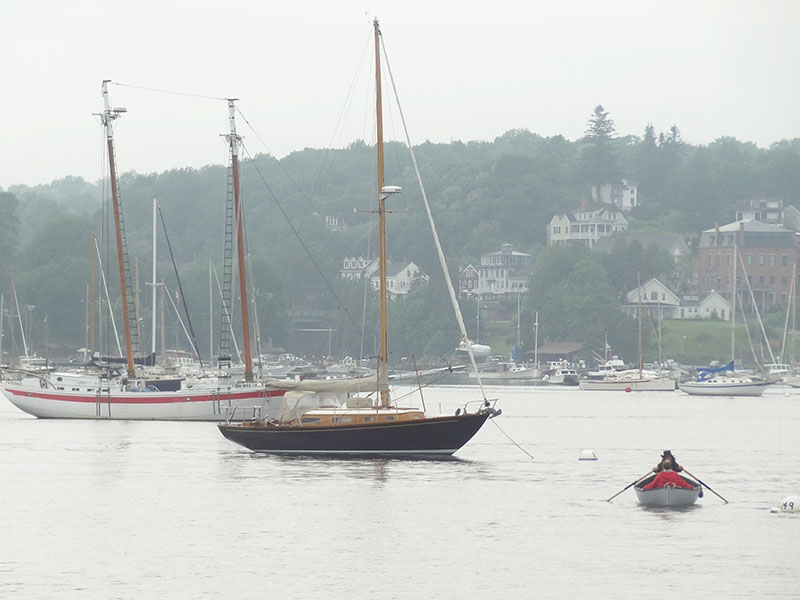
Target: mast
(108, 117)
(733, 307)
(234, 140)
(384, 351)
(154, 274)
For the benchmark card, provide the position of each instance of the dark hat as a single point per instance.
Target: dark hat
(667, 453)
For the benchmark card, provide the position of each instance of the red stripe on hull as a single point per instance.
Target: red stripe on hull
(177, 398)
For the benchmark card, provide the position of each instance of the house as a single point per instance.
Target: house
(766, 210)
(586, 225)
(791, 218)
(504, 272)
(764, 258)
(401, 278)
(655, 298)
(468, 281)
(712, 306)
(555, 351)
(662, 303)
(623, 195)
(355, 268)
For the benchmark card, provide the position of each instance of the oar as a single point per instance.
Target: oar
(704, 485)
(629, 485)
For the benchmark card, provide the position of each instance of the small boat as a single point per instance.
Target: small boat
(561, 373)
(633, 380)
(355, 416)
(670, 495)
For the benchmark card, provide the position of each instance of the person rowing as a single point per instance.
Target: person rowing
(667, 474)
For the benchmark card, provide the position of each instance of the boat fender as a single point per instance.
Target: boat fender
(791, 504)
(42, 383)
(458, 411)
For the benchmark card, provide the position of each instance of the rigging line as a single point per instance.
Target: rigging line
(193, 338)
(172, 92)
(306, 197)
(510, 439)
(299, 239)
(440, 252)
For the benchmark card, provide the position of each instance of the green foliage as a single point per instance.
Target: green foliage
(483, 194)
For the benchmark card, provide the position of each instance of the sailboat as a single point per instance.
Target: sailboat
(724, 381)
(356, 416)
(135, 396)
(632, 380)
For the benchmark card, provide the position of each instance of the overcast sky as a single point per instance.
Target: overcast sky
(465, 70)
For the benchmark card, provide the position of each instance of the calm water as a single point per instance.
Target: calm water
(172, 510)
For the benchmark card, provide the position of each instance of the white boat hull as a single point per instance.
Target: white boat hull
(195, 405)
(733, 388)
(658, 384)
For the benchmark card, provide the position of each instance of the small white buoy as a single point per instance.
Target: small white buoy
(790, 504)
(588, 455)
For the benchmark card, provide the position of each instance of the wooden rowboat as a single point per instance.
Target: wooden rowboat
(670, 495)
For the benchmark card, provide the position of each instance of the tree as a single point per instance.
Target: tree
(600, 152)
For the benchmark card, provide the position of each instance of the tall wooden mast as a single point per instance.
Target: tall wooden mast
(384, 356)
(108, 117)
(234, 140)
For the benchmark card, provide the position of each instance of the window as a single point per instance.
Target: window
(710, 260)
(760, 260)
(771, 260)
(784, 260)
(654, 296)
(761, 280)
(749, 260)
(784, 281)
(772, 280)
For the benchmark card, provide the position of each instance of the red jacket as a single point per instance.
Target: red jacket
(662, 478)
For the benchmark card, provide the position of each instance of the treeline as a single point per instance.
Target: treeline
(483, 194)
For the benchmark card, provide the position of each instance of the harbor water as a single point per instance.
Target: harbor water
(124, 510)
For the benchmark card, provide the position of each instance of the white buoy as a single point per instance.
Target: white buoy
(790, 504)
(588, 455)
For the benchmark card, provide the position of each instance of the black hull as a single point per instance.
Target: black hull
(437, 436)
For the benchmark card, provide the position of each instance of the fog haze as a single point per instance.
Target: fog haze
(465, 71)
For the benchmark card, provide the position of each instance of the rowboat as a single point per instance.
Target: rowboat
(670, 495)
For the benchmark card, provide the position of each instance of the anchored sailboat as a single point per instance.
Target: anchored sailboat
(135, 396)
(356, 416)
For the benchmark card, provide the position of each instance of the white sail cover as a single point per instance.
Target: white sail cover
(345, 385)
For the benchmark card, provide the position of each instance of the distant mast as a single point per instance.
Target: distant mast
(234, 140)
(108, 117)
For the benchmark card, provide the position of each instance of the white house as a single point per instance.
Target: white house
(656, 299)
(660, 302)
(711, 306)
(586, 224)
(358, 267)
(623, 195)
(400, 278)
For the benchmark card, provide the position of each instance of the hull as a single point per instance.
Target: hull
(668, 496)
(701, 388)
(634, 385)
(206, 405)
(436, 436)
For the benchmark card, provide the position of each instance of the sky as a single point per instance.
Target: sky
(465, 70)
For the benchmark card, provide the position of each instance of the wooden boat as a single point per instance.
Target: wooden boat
(356, 416)
(130, 396)
(670, 495)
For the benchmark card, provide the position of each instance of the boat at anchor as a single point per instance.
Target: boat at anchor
(357, 416)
